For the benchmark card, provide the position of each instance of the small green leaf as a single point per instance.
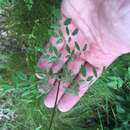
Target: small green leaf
(56, 51)
(104, 68)
(54, 34)
(94, 71)
(38, 128)
(119, 98)
(32, 36)
(69, 39)
(85, 47)
(89, 78)
(46, 56)
(77, 46)
(115, 82)
(68, 56)
(26, 93)
(6, 87)
(61, 34)
(72, 52)
(22, 76)
(68, 49)
(67, 21)
(83, 70)
(59, 40)
(51, 47)
(67, 31)
(52, 59)
(120, 109)
(75, 32)
(38, 49)
(129, 71)
(72, 91)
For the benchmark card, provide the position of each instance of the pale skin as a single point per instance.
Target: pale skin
(105, 43)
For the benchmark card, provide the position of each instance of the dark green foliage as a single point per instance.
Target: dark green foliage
(26, 17)
(122, 101)
(29, 22)
(4, 3)
(85, 47)
(115, 114)
(94, 71)
(89, 78)
(67, 21)
(68, 49)
(67, 31)
(75, 32)
(32, 20)
(77, 46)
(83, 70)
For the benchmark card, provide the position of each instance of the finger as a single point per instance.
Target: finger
(50, 99)
(68, 100)
(74, 67)
(43, 62)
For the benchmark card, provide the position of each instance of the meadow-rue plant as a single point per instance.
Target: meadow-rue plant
(52, 55)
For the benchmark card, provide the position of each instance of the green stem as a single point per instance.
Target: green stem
(53, 113)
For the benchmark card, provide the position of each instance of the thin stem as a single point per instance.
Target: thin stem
(53, 113)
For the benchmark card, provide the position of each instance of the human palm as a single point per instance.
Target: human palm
(98, 47)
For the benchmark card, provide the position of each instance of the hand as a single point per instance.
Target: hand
(98, 49)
